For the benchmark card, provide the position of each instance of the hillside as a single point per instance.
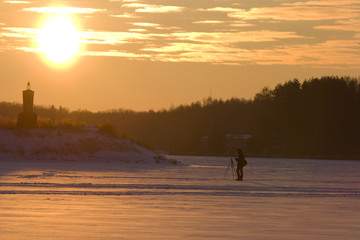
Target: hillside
(85, 144)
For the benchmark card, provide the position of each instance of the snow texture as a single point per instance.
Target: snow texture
(85, 144)
(288, 199)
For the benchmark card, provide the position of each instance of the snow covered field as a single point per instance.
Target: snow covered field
(279, 199)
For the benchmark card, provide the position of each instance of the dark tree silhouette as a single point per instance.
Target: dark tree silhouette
(319, 118)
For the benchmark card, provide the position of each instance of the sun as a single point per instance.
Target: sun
(59, 40)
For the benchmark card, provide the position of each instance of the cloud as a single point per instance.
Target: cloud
(148, 8)
(313, 33)
(125, 15)
(110, 38)
(209, 22)
(330, 53)
(144, 24)
(323, 3)
(17, 2)
(306, 10)
(25, 39)
(295, 13)
(241, 24)
(219, 9)
(115, 53)
(216, 47)
(160, 9)
(64, 10)
(210, 53)
(20, 32)
(124, 0)
(137, 30)
(213, 47)
(343, 25)
(235, 37)
(318, 55)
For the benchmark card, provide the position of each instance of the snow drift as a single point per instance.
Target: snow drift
(85, 144)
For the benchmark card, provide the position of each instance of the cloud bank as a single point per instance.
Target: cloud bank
(322, 33)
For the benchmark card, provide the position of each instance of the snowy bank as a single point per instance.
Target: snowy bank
(85, 144)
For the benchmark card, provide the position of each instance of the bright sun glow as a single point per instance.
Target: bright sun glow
(59, 40)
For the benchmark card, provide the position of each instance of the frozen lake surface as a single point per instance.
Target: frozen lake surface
(279, 199)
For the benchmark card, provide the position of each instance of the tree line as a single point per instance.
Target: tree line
(318, 117)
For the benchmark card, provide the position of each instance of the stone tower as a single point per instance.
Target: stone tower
(27, 119)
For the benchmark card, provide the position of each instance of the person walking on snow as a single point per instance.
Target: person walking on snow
(241, 163)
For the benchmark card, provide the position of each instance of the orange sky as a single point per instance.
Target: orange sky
(153, 54)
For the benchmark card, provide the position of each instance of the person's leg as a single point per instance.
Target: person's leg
(238, 173)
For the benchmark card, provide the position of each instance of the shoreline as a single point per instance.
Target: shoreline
(300, 157)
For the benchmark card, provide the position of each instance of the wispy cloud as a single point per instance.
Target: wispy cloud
(17, 2)
(330, 53)
(295, 13)
(319, 55)
(323, 3)
(63, 10)
(137, 30)
(148, 8)
(234, 37)
(124, 15)
(110, 38)
(209, 22)
(145, 24)
(240, 24)
(20, 32)
(116, 53)
(219, 9)
(317, 33)
(215, 47)
(343, 25)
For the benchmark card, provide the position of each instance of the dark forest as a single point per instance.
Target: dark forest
(316, 118)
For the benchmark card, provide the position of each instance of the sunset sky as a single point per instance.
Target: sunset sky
(153, 54)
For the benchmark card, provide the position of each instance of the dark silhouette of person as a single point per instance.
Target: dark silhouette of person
(241, 163)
